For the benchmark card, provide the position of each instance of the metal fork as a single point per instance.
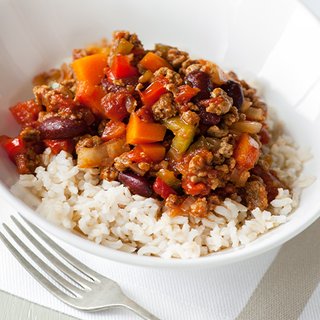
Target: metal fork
(92, 292)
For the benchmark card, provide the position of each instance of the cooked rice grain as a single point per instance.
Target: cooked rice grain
(107, 213)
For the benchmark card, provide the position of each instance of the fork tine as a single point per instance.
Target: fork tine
(73, 261)
(73, 290)
(61, 266)
(35, 273)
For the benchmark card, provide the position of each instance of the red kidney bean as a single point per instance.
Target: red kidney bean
(137, 184)
(271, 181)
(62, 128)
(202, 81)
(234, 90)
(208, 118)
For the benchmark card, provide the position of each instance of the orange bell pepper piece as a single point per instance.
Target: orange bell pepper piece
(90, 96)
(246, 152)
(139, 132)
(150, 152)
(155, 151)
(90, 68)
(137, 155)
(153, 62)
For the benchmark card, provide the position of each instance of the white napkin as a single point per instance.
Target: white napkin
(217, 293)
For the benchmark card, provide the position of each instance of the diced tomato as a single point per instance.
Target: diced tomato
(90, 96)
(109, 74)
(24, 166)
(153, 92)
(122, 68)
(56, 146)
(246, 152)
(26, 112)
(138, 155)
(145, 114)
(113, 130)
(185, 93)
(13, 146)
(194, 189)
(116, 105)
(162, 189)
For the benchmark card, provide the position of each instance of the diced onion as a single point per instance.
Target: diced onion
(255, 114)
(187, 203)
(245, 105)
(218, 76)
(251, 127)
(146, 77)
(135, 168)
(100, 155)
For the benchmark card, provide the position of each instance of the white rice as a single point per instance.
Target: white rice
(107, 213)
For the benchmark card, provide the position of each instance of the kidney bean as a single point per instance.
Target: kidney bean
(62, 128)
(270, 180)
(202, 81)
(208, 118)
(137, 184)
(234, 90)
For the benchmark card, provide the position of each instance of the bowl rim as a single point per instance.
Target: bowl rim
(214, 260)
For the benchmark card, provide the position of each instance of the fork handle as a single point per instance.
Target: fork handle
(133, 306)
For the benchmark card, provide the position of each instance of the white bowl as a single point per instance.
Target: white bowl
(272, 42)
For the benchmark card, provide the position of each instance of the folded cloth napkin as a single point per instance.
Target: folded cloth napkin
(218, 293)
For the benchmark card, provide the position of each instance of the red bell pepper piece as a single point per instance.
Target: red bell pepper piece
(162, 189)
(26, 112)
(121, 67)
(185, 93)
(56, 146)
(153, 92)
(13, 146)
